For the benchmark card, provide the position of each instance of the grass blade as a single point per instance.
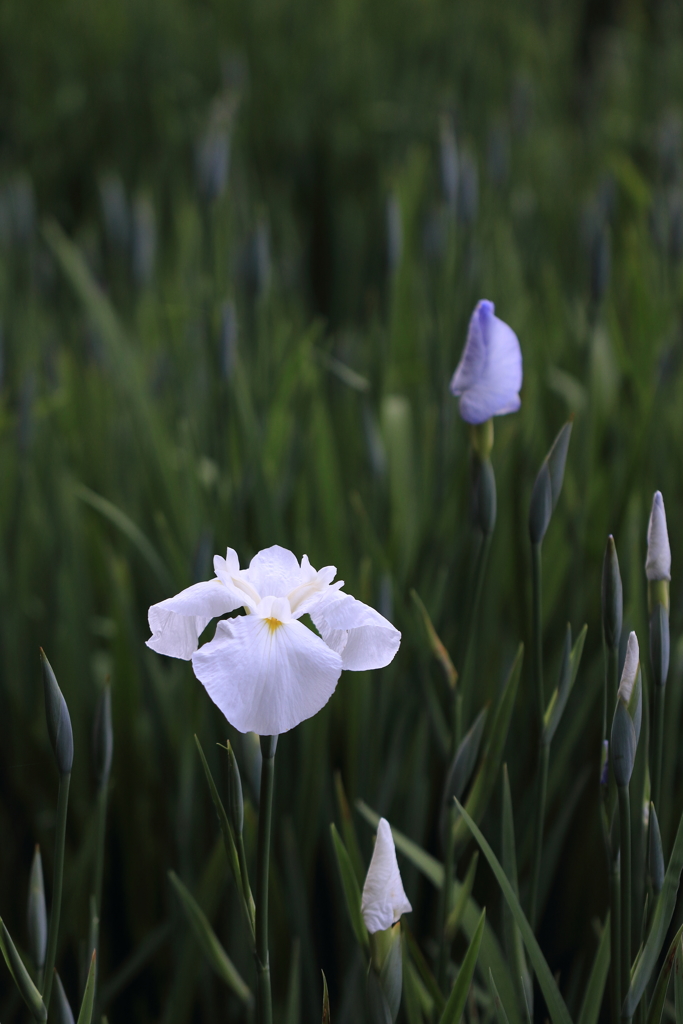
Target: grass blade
(557, 1009)
(85, 1016)
(485, 779)
(456, 1000)
(352, 893)
(592, 999)
(208, 940)
(654, 1013)
(28, 991)
(661, 919)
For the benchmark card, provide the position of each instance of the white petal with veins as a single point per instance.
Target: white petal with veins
(384, 898)
(267, 676)
(363, 637)
(177, 622)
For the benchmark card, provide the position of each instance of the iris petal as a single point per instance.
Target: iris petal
(177, 622)
(489, 375)
(266, 676)
(364, 638)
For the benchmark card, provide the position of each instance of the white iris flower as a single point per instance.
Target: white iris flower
(265, 670)
(384, 898)
(489, 375)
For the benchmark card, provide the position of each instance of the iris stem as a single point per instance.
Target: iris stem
(57, 879)
(658, 744)
(610, 690)
(96, 917)
(625, 846)
(446, 900)
(615, 940)
(264, 1001)
(461, 714)
(541, 793)
(537, 625)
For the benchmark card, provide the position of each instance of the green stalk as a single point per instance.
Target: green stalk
(615, 940)
(537, 626)
(102, 800)
(57, 879)
(541, 792)
(446, 900)
(658, 744)
(610, 689)
(625, 846)
(264, 1001)
(461, 714)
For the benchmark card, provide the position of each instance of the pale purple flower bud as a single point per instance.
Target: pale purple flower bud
(489, 375)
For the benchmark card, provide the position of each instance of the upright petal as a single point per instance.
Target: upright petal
(177, 622)
(384, 898)
(496, 390)
(658, 561)
(264, 676)
(630, 669)
(473, 360)
(364, 638)
(273, 571)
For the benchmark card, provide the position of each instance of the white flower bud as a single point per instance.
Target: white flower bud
(658, 561)
(630, 670)
(384, 899)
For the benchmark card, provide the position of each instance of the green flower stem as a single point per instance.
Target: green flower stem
(537, 626)
(96, 917)
(264, 1001)
(615, 940)
(446, 900)
(463, 688)
(57, 879)
(611, 687)
(625, 846)
(541, 792)
(658, 745)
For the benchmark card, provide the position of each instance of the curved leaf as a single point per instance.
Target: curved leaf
(556, 1005)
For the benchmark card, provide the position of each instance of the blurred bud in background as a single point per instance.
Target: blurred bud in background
(115, 211)
(448, 162)
(144, 240)
(228, 339)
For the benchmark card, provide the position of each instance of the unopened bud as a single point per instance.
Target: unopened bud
(58, 720)
(623, 745)
(37, 912)
(548, 485)
(658, 561)
(385, 976)
(612, 596)
(484, 504)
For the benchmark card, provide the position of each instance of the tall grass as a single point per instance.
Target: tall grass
(271, 365)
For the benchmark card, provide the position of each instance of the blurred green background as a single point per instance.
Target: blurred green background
(239, 247)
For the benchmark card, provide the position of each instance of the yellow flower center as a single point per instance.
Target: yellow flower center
(273, 624)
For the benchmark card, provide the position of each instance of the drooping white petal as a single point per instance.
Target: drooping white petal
(630, 669)
(273, 571)
(384, 898)
(489, 375)
(364, 638)
(177, 622)
(266, 677)
(658, 561)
